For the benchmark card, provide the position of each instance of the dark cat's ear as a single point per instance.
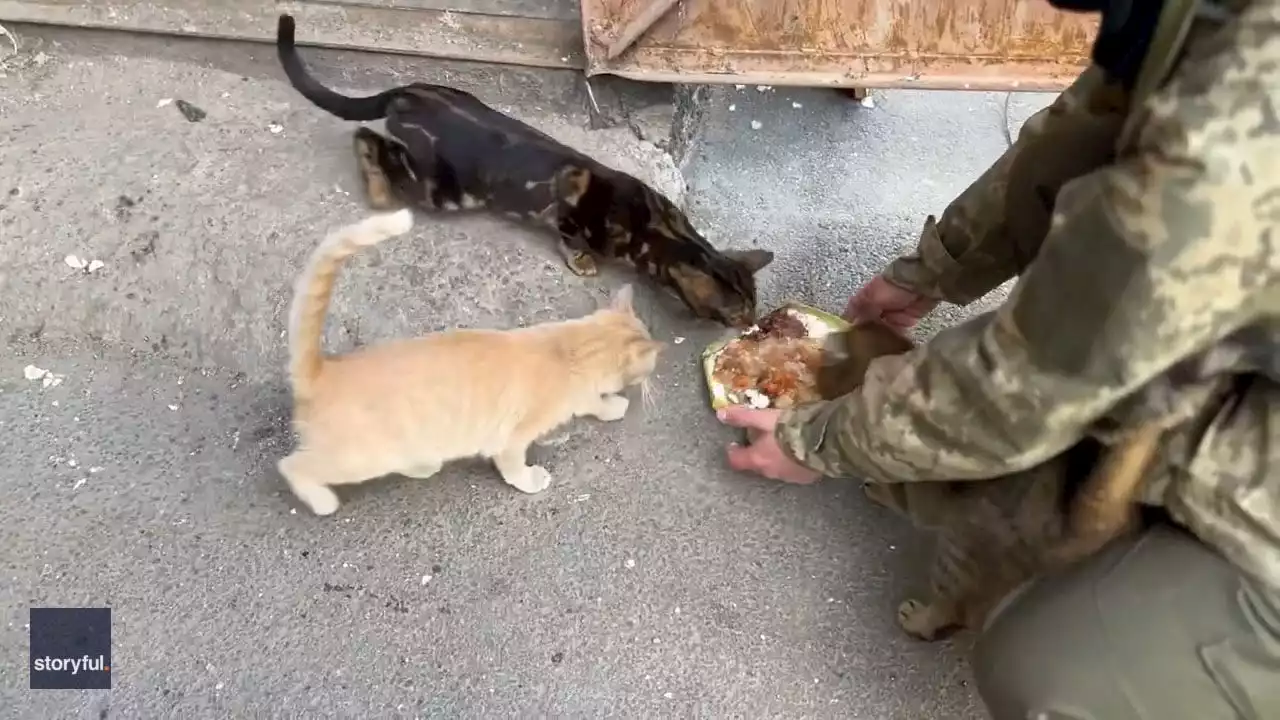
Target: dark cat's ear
(753, 260)
(624, 300)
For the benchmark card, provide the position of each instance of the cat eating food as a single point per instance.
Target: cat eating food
(409, 406)
(448, 151)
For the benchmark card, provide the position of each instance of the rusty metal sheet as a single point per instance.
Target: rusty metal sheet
(927, 44)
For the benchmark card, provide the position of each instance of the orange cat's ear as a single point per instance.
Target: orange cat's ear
(623, 300)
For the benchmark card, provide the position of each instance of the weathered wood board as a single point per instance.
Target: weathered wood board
(535, 33)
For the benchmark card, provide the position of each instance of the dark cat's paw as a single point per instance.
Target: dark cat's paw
(925, 621)
(581, 263)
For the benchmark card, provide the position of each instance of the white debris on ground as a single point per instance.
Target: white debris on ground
(796, 105)
(46, 378)
(756, 124)
(78, 263)
(164, 101)
(275, 128)
(868, 102)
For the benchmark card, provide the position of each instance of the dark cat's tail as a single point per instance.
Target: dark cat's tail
(315, 286)
(361, 109)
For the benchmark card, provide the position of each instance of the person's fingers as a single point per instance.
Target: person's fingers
(741, 457)
(899, 319)
(741, 416)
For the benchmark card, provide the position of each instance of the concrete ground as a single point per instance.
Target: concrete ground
(647, 581)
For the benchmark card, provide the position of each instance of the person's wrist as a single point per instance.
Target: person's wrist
(789, 432)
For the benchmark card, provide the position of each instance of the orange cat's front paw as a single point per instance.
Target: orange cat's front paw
(612, 407)
(535, 480)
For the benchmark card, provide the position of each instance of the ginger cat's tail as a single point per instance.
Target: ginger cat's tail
(1106, 506)
(314, 287)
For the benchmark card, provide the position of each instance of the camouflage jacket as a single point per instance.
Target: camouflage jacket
(1154, 295)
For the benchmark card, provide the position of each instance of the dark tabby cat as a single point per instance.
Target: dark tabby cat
(448, 150)
(995, 534)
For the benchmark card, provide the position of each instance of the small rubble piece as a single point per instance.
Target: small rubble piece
(732, 108)
(164, 101)
(47, 379)
(796, 105)
(80, 263)
(868, 102)
(756, 124)
(189, 111)
(275, 128)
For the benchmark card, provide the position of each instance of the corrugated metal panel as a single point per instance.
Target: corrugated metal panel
(935, 44)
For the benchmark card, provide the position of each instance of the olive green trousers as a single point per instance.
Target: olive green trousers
(1155, 627)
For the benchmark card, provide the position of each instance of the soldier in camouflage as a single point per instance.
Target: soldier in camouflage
(1141, 214)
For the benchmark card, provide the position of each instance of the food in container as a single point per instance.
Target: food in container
(774, 363)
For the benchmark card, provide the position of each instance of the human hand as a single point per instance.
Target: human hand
(882, 301)
(763, 455)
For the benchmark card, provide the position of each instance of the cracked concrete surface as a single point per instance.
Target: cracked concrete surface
(647, 581)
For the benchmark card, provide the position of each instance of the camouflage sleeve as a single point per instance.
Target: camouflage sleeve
(1148, 261)
(969, 251)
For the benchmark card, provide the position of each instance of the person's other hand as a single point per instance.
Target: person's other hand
(763, 455)
(882, 301)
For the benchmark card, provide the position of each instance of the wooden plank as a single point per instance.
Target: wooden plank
(637, 25)
(926, 44)
(532, 42)
(544, 9)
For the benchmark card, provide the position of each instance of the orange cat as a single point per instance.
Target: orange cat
(409, 406)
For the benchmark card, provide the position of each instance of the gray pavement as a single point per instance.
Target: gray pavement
(647, 581)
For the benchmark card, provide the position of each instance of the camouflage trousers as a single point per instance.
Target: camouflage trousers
(1157, 626)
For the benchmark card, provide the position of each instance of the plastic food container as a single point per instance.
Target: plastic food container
(718, 393)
